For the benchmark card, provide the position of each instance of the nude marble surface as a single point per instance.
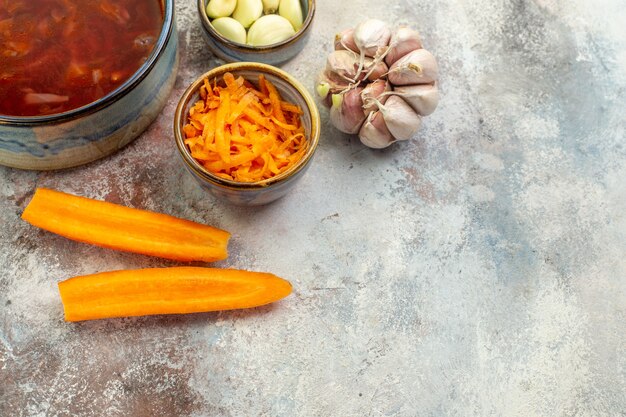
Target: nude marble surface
(477, 270)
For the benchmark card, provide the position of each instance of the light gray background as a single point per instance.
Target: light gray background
(478, 270)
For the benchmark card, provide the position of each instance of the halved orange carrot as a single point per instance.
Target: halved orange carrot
(123, 228)
(177, 290)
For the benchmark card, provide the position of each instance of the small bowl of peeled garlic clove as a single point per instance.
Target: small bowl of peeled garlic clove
(266, 31)
(379, 82)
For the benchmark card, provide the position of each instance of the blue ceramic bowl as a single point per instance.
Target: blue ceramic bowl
(273, 54)
(260, 192)
(93, 131)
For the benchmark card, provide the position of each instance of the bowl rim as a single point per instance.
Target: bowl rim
(241, 47)
(167, 29)
(180, 115)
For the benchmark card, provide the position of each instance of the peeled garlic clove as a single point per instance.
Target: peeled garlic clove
(401, 120)
(423, 98)
(416, 67)
(270, 6)
(292, 11)
(220, 8)
(374, 132)
(346, 113)
(403, 40)
(230, 29)
(372, 92)
(248, 11)
(372, 37)
(345, 40)
(343, 63)
(269, 29)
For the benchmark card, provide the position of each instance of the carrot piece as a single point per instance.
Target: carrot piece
(244, 102)
(275, 101)
(123, 228)
(231, 83)
(258, 118)
(223, 148)
(291, 108)
(175, 290)
(263, 85)
(190, 130)
(283, 125)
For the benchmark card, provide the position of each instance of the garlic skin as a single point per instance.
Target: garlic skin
(416, 67)
(292, 11)
(423, 98)
(346, 113)
(371, 37)
(373, 69)
(374, 132)
(270, 6)
(401, 120)
(220, 8)
(269, 29)
(345, 40)
(230, 28)
(248, 11)
(374, 91)
(403, 40)
(343, 63)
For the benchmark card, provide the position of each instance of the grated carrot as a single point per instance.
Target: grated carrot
(244, 133)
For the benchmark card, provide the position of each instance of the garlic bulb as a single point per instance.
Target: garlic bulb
(379, 83)
(248, 11)
(292, 11)
(269, 29)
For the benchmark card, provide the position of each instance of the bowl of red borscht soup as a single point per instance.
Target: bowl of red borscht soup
(79, 79)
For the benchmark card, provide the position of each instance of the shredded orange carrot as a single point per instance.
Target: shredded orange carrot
(244, 133)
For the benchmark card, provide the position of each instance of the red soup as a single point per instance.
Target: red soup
(57, 55)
